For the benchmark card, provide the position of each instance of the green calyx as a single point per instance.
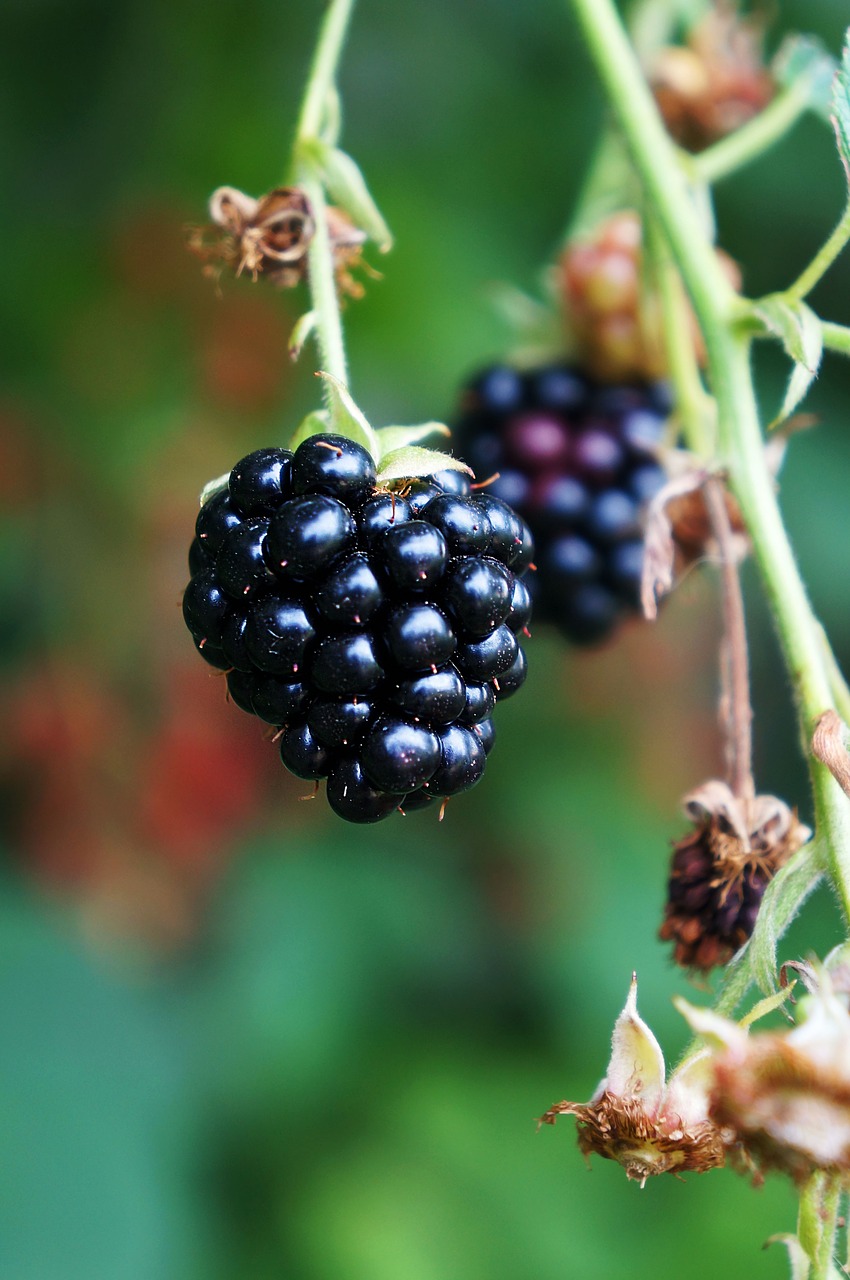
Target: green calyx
(397, 451)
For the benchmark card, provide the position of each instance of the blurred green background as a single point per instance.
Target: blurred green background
(240, 1039)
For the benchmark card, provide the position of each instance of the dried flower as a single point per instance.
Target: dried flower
(716, 83)
(270, 237)
(785, 1094)
(721, 869)
(634, 1118)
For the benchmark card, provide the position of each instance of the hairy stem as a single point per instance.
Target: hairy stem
(740, 442)
(818, 1223)
(836, 337)
(317, 111)
(752, 139)
(692, 404)
(822, 260)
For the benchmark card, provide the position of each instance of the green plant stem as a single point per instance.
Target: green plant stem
(317, 106)
(836, 337)
(322, 77)
(740, 443)
(822, 260)
(752, 139)
(692, 404)
(818, 1222)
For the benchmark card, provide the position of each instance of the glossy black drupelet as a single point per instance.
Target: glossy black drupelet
(375, 630)
(577, 460)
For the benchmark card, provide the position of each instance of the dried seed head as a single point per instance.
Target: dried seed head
(720, 870)
(634, 1118)
(269, 237)
(785, 1095)
(716, 83)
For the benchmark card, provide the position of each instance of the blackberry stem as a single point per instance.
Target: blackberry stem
(754, 138)
(836, 337)
(737, 709)
(318, 111)
(822, 260)
(740, 442)
(692, 403)
(818, 1221)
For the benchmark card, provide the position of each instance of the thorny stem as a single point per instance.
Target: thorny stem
(740, 443)
(752, 139)
(822, 260)
(738, 713)
(318, 98)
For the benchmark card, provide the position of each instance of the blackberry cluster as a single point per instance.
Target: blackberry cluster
(577, 460)
(375, 630)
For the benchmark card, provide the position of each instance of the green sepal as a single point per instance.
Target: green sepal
(783, 898)
(801, 334)
(801, 1263)
(347, 188)
(346, 418)
(392, 438)
(301, 331)
(317, 423)
(212, 487)
(840, 107)
(412, 461)
(806, 58)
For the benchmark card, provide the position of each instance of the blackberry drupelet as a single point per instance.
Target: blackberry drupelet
(577, 459)
(375, 630)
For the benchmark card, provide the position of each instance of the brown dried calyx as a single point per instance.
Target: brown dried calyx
(648, 1124)
(270, 236)
(721, 869)
(714, 84)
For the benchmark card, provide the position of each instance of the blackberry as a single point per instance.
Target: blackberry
(577, 458)
(375, 630)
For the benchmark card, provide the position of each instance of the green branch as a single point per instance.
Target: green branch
(740, 443)
(836, 337)
(752, 139)
(822, 260)
(318, 112)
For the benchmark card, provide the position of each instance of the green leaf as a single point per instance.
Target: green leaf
(806, 58)
(801, 334)
(212, 487)
(411, 461)
(841, 107)
(346, 418)
(317, 423)
(347, 188)
(392, 438)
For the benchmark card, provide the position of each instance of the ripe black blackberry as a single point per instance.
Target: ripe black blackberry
(376, 630)
(577, 460)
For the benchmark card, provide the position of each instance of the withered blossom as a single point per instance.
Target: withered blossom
(720, 870)
(785, 1094)
(270, 237)
(647, 1126)
(708, 88)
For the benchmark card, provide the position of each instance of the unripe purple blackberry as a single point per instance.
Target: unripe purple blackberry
(375, 630)
(577, 459)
